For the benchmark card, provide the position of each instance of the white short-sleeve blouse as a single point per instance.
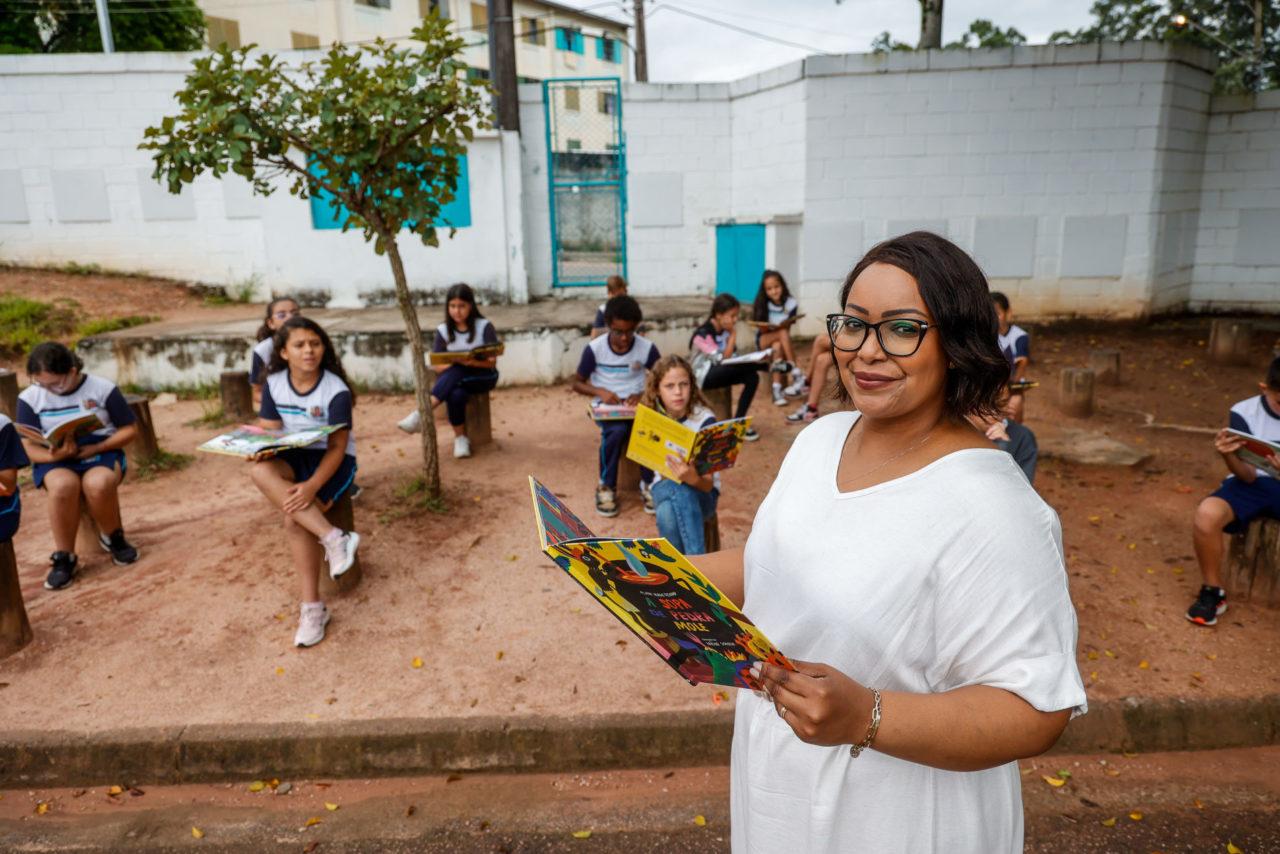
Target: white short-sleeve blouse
(952, 575)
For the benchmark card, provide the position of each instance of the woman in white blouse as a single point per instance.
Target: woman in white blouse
(914, 578)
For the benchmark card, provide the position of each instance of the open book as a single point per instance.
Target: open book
(765, 325)
(656, 593)
(72, 428)
(713, 448)
(1021, 386)
(749, 358)
(1257, 452)
(484, 351)
(601, 411)
(256, 443)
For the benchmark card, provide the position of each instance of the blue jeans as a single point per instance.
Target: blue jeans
(681, 512)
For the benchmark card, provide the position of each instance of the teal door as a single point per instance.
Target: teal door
(739, 260)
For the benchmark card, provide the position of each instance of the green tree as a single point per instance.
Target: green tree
(1248, 49)
(71, 26)
(885, 42)
(983, 33)
(376, 129)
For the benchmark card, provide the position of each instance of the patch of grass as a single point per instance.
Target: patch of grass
(103, 325)
(24, 322)
(213, 416)
(206, 391)
(238, 292)
(75, 268)
(163, 461)
(412, 495)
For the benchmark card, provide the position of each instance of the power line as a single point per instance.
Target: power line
(745, 31)
(763, 18)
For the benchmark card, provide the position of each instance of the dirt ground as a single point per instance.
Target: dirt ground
(200, 630)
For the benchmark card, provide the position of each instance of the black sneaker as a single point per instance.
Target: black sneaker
(1209, 605)
(751, 435)
(122, 554)
(63, 571)
(781, 366)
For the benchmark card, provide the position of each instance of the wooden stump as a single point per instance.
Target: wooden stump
(15, 629)
(341, 515)
(237, 396)
(711, 533)
(721, 400)
(479, 428)
(1105, 365)
(1252, 570)
(628, 473)
(9, 393)
(145, 446)
(1229, 342)
(1075, 392)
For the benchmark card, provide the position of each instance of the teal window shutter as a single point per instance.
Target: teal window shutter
(456, 214)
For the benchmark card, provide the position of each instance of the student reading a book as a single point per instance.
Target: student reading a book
(1248, 493)
(720, 333)
(12, 457)
(91, 464)
(464, 329)
(279, 310)
(306, 388)
(614, 286)
(612, 371)
(776, 307)
(821, 361)
(1015, 343)
(878, 563)
(684, 503)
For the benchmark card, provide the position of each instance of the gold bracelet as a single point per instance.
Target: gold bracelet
(872, 728)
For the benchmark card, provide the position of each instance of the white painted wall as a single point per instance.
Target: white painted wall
(74, 187)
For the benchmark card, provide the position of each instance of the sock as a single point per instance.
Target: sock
(312, 605)
(777, 386)
(332, 537)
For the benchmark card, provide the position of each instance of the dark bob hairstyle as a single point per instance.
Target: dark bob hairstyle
(956, 294)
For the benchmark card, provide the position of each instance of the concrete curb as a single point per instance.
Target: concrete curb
(219, 752)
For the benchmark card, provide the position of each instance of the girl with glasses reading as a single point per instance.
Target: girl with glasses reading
(279, 310)
(879, 561)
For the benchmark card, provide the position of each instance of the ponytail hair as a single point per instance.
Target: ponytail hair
(52, 357)
(328, 362)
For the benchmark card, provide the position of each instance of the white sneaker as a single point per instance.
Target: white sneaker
(311, 623)
(797, 388)
(461, 447)
(411, 423)
(341, 554)
(778, 399)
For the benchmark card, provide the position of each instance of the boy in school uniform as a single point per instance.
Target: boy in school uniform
(613, 369)
(614, 286)
(1015, 343)
(1247, 493)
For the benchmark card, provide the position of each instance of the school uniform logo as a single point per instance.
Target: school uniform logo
(317, 412)
(90, 404)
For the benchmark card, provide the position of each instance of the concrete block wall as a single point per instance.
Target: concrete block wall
(1237, 253)
(74, 187)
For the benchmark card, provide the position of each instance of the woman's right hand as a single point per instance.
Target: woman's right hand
(1227, 443)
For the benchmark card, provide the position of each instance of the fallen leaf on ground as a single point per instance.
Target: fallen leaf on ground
(1128, 755)
(620, 643)
(1056, 782)
(416, 663)
(115, 790)
(700, 820)
(1135, 815)
(197, 833)
(1108, 822)
(311, 846)
(136, 792)
(1183, 489)
(453, 778)
(257, 786)
(42, 807)
(330, 807)
(410, 810)
(582, 834)
(1108, 653)
(1144, 665)
(1064, 774)
(1212, 656)
(1112, 772)
(500, 654)
(1199, 804)
(1232, 849)
(312, 822)
(279, 671)
(1093, 655)
(312, 716)
(719, 697)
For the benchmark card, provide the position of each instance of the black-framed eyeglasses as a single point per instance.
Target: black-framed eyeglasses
(898, 336)
(285, 314)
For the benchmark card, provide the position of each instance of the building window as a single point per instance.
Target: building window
(302, 41)
(474, 74)
(440, 7)
(522, 79)
(532, 32)
(573, 144)
(607, 103)
(376, 4)
(571, 99)
(607, 49)
(569, 38)
(222, 31)
(479, 16)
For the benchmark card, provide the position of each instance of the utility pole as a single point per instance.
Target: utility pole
(104, 27)
(642, 54)
(502, 64)
(930, 24)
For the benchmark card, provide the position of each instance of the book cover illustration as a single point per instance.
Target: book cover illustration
(1257, 452)
(713, 448)
(484, 351)
(72, 428)
(601, 411)
(654, 591)
(258, 443)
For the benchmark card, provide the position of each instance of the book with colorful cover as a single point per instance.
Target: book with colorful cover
(450, 357)
(259, 443)
(1257, 452)
(652, 589)
(72, 428)
(713, 448)
(1022, 386)
(601, 411)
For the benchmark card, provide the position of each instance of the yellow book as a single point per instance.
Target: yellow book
(452, 356)
(655, 436)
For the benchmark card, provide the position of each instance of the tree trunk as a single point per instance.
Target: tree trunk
(421, 375)
(930, 24)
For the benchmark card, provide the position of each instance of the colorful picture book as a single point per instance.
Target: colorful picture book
(1021, 386)
(713, 448)
(749, 358)
(656, 593)
(601, 411)
(71, 429)
(485, 351)
(765, 325)
(253, 442)
(1257, 452)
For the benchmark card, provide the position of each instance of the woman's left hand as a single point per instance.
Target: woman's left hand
(299, 497)
(820, 704)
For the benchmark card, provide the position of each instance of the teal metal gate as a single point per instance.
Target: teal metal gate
(586, 179)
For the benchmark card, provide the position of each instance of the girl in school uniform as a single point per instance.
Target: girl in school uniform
(279, 310)
(776, 306)
(720, 332)
(92, 465)
(307, 388)
(682, 504)
(12, 457)
(464, 328)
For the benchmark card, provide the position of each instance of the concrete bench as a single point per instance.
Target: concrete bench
(1252, 570)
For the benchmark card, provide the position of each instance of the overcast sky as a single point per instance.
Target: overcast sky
(683, 48)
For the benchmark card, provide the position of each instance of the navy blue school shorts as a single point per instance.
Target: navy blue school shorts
(304, 462)
(109, 459)
(1249, 500)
